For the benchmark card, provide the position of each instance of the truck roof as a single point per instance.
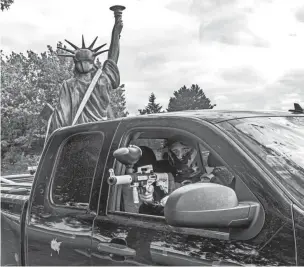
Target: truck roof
(208, 115)
(217, 116)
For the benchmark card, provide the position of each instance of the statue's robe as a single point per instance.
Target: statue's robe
(73, 90)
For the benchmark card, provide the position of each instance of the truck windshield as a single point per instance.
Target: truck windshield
(279, 143)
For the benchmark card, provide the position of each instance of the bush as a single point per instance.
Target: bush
(15, 162)
(13, 155)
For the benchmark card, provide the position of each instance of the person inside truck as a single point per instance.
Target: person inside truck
(190, 162)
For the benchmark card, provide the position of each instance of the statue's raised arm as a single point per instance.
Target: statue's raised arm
(113, 53)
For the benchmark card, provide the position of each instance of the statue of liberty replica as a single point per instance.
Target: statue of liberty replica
(85, 97)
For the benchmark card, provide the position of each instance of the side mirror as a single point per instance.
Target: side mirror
(207, 205)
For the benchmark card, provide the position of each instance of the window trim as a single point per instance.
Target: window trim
(159, 223)
(63, 143)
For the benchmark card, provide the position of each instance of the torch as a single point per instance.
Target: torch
(117, 9)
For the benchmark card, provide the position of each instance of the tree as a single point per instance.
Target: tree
(152, 107)
(5, 4)
(118, 102)
(189, 99)
(27, 83)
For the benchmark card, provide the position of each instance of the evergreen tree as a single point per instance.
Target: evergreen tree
(118, 102)
(189, 99)
(152, 106)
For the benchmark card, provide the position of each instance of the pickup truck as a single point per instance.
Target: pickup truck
(72, 213)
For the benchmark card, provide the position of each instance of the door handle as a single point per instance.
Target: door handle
(116, 249)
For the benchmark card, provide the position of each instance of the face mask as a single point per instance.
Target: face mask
(84, 66)
(182, 158)
(184, 161)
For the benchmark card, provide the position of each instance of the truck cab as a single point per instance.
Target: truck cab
(73, 216)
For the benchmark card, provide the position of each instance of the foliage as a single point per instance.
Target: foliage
(27, 83)
(118, 102)
(5, 4)
(13, 155)
(15, 162)
(189, 99)
(152, 106)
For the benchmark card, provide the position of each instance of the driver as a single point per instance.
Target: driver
(184, 157)
(190, 164)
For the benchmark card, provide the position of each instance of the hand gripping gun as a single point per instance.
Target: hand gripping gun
(143, 179)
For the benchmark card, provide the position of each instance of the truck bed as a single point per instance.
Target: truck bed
(15, 190)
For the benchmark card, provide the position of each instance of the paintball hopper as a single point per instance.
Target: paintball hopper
(128, 155)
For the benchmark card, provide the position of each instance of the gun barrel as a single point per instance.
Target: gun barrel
(136, 178)
(121, 179)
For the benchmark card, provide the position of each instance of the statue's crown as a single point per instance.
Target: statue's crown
(84, 53)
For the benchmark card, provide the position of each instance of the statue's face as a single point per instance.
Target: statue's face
(84, 60)
(84, 66)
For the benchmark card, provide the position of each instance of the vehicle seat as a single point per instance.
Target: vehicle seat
(222, 175)
(164, 166)
(213, 161)
(148, 158)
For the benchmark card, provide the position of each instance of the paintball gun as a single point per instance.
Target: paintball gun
(141, 181)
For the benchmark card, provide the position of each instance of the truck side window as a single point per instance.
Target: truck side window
(197, 164)
(75, 169)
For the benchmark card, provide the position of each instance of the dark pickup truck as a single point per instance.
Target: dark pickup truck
(75, 212)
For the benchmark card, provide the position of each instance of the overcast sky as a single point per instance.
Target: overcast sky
(243, 54)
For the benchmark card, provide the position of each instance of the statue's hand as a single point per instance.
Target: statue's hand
(118, 26)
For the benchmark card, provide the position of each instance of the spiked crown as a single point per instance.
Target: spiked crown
(84, 53)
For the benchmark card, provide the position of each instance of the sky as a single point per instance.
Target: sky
(244, 54)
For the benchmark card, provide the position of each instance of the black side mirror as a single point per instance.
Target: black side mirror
(207, 205)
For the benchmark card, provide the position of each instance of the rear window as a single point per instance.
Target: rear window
(279, 143)
(75, 170)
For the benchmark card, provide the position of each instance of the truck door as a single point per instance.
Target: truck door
(64, 195)
(122, 236)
